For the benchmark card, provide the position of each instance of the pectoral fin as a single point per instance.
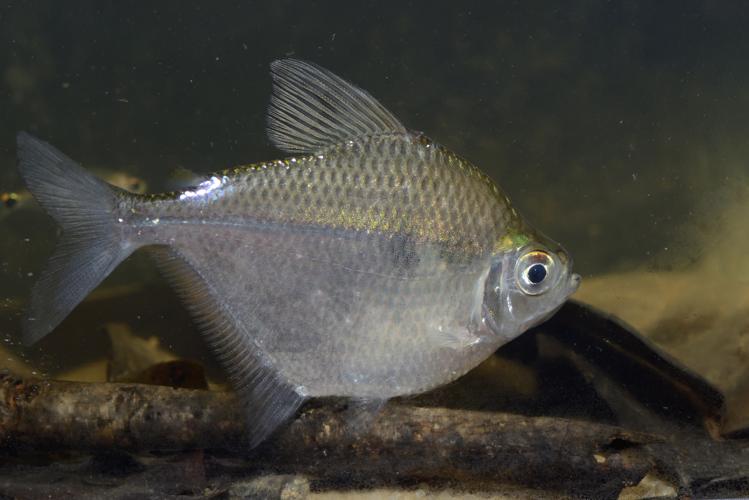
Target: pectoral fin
(455, 337)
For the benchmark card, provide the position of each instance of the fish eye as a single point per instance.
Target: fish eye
(533, 271)
(536, 273)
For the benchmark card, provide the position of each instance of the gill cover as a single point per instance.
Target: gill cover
(524, 287)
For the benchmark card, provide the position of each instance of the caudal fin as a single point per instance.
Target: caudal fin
(90, 246)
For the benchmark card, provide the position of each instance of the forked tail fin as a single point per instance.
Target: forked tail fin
(91, 245)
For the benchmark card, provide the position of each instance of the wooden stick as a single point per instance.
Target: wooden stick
(403, 442)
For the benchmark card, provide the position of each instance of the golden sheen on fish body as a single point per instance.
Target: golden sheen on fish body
(373, 263)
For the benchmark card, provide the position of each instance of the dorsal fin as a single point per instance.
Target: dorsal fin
(311, 108)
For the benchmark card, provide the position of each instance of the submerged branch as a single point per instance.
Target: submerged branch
(402, 442)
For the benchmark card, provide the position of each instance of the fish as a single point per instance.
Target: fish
(12, 202)
(369, 263)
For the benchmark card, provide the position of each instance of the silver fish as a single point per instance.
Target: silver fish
(374, 263)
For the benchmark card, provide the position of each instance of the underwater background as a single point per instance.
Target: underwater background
(620, 129)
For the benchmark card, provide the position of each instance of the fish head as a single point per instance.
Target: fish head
(528, 280)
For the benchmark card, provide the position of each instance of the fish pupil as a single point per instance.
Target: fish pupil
(536, 273)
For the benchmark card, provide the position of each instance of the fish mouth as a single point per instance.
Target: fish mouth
(572, 286)
(574, 283)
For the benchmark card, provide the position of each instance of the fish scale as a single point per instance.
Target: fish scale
(435, 196)
(373, 263)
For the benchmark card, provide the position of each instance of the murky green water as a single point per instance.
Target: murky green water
(621, 130)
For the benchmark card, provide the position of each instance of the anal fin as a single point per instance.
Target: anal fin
(268, 399)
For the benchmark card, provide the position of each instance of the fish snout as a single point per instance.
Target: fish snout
(575, 280)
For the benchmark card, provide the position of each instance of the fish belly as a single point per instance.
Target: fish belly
(339, 312)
